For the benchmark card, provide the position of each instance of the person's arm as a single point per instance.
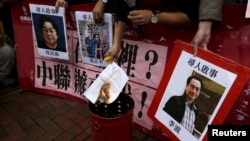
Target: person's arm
(202, 36)
(98, 11)
(208, 13)
(121, 10)
(140, 17)
(210, 10)
(113, 52)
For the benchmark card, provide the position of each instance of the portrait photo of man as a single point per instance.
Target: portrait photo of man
(189, 108)
(182, 107)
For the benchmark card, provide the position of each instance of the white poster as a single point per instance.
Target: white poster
(49, 31)
(95, 39)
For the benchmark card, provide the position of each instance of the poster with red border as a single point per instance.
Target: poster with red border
(222, 81)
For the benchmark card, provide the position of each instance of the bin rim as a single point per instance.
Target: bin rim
(118, 117)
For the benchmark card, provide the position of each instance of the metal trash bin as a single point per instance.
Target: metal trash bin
(112, 122)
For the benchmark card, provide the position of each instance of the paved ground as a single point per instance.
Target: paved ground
(29, 116)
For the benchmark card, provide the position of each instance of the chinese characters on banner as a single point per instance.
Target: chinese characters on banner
(144, 71)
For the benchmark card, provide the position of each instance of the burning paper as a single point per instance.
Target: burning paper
(108, 85)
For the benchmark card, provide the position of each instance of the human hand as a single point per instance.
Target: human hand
(112, 54)
(61, 3)
(98, 11)
(140, 17)
(202, 36)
